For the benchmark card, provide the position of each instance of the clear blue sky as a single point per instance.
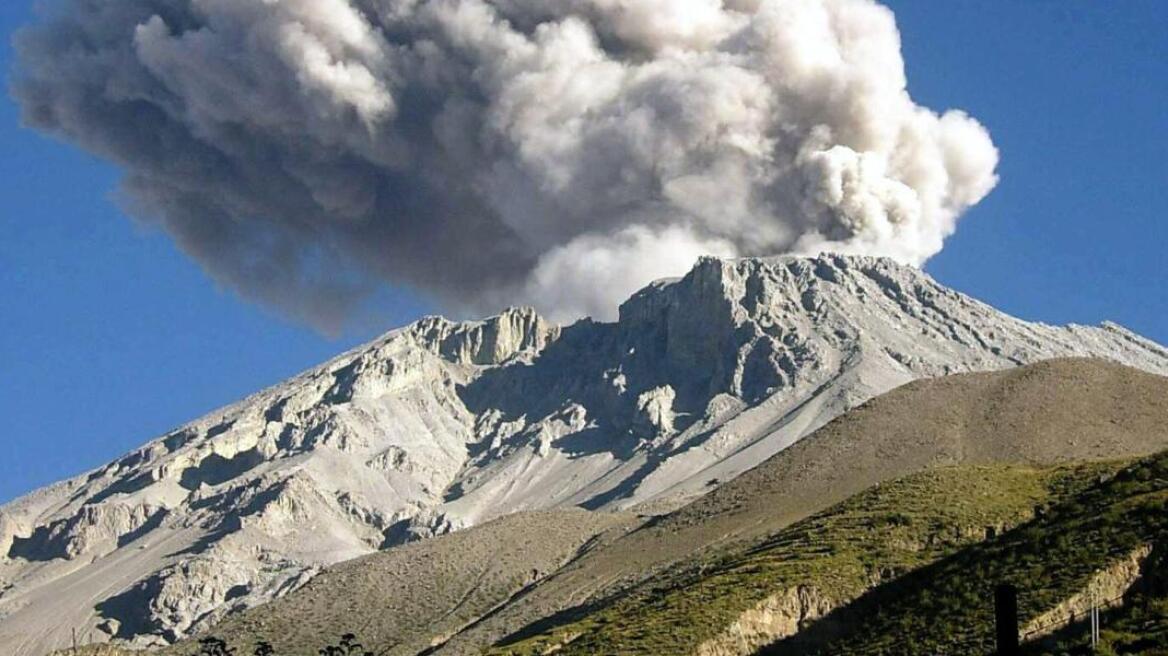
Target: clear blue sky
(109, 336)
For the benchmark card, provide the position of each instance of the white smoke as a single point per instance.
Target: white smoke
(554, 152)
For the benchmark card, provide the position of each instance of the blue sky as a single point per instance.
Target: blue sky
(109, 336)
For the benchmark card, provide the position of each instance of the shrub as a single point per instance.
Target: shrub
(211, 646)
(348, 646)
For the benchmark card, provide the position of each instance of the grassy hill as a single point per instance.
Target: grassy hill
(909, 568)
(1107, 539)
(1138, 626)
(814, 566)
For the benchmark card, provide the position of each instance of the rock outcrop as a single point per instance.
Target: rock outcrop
(779, 616)
(1105, 589)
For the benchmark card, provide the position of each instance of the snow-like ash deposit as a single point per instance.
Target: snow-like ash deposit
(554, 152)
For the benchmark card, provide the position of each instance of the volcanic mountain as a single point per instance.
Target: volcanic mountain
(443, 425)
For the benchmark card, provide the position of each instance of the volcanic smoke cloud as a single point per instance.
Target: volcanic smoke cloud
(554, 152)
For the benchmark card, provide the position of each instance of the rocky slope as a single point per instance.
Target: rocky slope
(443, 425)
(977, 447)
(407, 599)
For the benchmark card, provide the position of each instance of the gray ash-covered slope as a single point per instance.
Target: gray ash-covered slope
(443, 425)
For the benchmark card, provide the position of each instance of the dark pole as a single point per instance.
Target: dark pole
(1006, 612)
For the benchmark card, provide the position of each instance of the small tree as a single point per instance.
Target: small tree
(263, 648)
(347, 647)
(212, 646)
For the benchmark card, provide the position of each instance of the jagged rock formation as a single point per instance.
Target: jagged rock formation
(443, 425)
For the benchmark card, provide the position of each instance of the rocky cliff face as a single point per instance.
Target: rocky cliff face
(441, 425)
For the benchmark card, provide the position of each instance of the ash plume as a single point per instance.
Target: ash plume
(554, 152)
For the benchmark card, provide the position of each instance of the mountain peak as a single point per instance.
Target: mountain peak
(724, 284)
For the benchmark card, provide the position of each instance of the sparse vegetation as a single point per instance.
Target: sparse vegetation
(399, 600)
(834, 557)
(348, 646)
(212, 646)
(215, 646)
(944, 608)
(1138, 626)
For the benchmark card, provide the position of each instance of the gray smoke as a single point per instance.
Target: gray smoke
(554, 152)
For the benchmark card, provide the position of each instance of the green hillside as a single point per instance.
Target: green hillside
(820, 563)
(1138, 626)
(946, 608)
